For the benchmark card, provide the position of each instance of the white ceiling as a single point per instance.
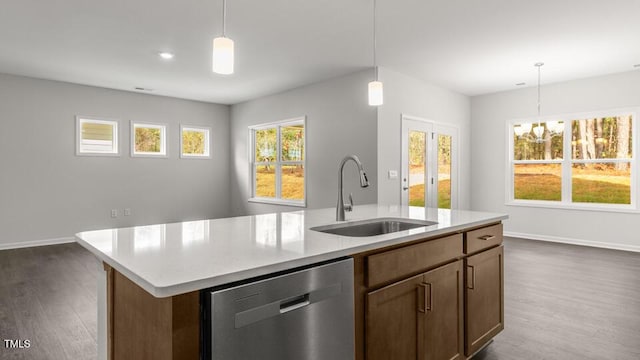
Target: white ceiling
(469, 46)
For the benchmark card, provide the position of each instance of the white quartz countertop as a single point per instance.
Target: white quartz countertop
(176, 258)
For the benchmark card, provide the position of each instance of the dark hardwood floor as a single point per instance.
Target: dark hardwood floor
(48, 296)
(561, 302)
(568, 302)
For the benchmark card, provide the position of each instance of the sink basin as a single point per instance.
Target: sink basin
(372, 227)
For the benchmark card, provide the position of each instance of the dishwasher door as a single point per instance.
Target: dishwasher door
(306, 314)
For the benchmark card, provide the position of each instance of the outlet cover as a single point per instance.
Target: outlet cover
(114, 213)
(393, 174)
(127, 212)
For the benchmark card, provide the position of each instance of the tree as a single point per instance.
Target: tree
(623, 151)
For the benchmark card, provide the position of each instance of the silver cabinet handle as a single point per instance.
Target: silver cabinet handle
(487, 237)
(472, 277)
(426, 303)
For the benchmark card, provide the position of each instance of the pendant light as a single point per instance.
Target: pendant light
(538, 130)
(223, 48)
(375, 86)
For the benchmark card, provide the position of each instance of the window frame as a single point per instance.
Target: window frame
(207, 141)
(99, 120)
(567, 163)
(277, 200)
(163, 140)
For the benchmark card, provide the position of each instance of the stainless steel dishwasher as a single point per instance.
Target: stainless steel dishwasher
(302, 315)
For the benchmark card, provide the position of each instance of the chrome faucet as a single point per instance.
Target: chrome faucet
(364, 182)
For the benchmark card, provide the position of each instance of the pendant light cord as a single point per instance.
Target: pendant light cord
(538, 65)
(224, 18)
(375, 66)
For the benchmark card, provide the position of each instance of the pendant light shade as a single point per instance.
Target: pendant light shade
(375, 93)
(223, 55)
(375, 86)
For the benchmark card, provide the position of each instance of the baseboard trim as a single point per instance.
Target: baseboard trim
(571, 241)
(34, 243)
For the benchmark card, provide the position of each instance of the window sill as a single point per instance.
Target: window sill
(150, 156)
(271, 201)
(580, 207)
(195, 157)
(97, 154)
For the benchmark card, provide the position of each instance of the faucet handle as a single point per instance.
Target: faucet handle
(349, 206)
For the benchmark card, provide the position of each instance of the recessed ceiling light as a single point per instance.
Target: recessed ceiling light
(520, 84)
(166, 55)
(636, 65)
(142, 89)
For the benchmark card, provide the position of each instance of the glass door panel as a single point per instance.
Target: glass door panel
(444, 171)
(417, 167)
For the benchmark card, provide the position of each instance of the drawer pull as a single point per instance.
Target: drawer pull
(487, 237)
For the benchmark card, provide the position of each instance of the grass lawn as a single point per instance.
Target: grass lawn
(589, 184)
(416, 194)
(292, 182)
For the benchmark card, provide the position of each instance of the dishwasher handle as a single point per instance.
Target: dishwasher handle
(282, 306)
(294, 303)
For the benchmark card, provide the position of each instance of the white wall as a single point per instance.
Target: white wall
(409, 96)
(489, 155)
(339, 122)
(48, 192)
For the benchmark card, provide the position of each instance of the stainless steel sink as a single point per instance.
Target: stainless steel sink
(372, 227)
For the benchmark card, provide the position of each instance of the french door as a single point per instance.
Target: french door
(429, 164)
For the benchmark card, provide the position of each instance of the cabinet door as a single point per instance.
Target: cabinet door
(442, 319)
(392, 321)
(484, 291)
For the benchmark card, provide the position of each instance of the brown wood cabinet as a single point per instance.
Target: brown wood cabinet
(392, 320)
(440, 298)
(418, 318)
(484, 296)
(443, 318)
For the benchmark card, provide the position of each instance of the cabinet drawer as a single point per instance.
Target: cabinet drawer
(483, 238)
(396, 264)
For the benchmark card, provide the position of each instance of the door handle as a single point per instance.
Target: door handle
(405, 188)
(472, 277)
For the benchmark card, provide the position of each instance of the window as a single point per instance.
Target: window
(278, 162)
(194, 142)
(96, 136)
(580, 160)
(148, 139)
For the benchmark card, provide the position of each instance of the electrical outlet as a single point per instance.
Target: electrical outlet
(114, 213)
(127, 212)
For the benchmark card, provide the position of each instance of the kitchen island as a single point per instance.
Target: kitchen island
(154, 273)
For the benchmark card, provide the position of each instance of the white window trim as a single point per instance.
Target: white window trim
(207, 140)
(163, 140)
(100, 120)
(566, 162)
(302, 120)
